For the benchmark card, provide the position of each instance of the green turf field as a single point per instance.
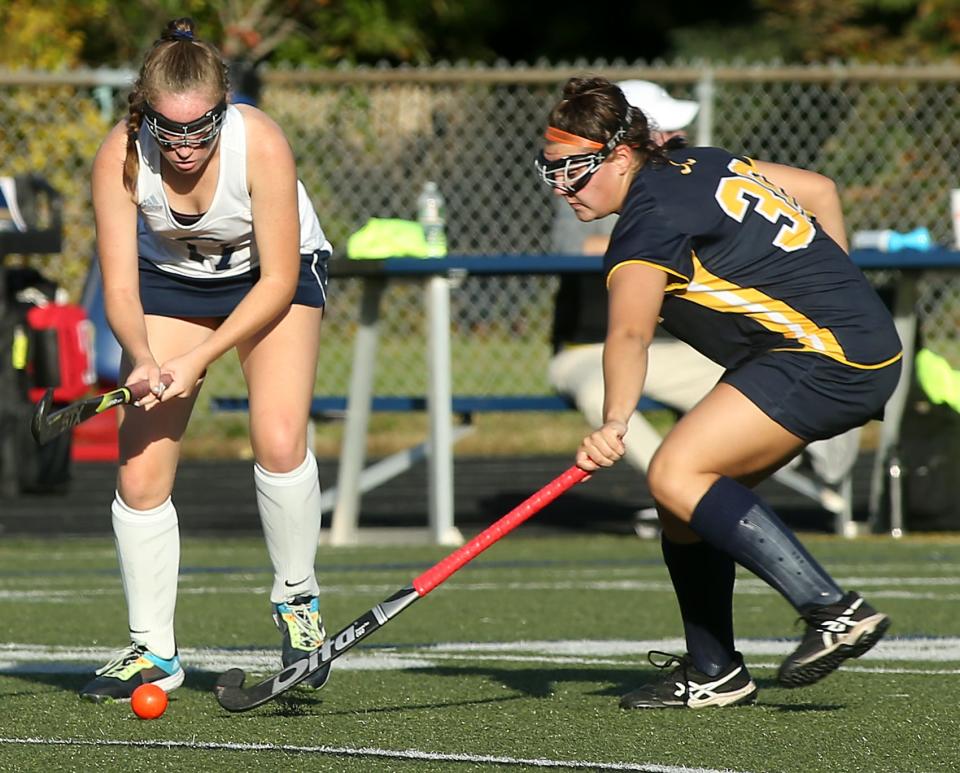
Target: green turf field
(515, 663)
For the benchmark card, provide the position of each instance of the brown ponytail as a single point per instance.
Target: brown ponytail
(177, 62)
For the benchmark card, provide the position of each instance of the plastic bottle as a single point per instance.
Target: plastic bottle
(431, 212)
(892, 241)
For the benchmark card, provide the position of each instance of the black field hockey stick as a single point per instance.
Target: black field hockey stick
(46, 425)
(233, 696)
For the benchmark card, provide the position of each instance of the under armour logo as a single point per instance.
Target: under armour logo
(686, 167)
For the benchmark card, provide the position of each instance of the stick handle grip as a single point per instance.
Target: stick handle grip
(440, 571)
(142, 388)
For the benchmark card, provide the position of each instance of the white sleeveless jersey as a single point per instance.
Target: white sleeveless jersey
(222, 242)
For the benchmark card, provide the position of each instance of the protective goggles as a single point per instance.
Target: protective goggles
(196, 134)
(570, 174)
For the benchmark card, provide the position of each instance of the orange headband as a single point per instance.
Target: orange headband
(553, 134)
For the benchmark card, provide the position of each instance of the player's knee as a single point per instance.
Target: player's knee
(141, 490)
(280, 449)
(669, 481)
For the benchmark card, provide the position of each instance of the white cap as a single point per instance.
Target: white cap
(663, 111)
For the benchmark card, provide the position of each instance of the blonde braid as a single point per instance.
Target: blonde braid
(131, 161)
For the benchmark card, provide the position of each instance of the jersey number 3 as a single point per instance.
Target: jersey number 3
(736, 195)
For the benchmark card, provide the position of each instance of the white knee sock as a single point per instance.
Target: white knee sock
(148, 547)
(289, 504)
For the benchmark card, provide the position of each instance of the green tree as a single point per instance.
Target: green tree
(50, 36)
(299, 32)
(823, 30)
(46, 35)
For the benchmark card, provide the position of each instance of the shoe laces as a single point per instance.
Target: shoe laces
(678, 674)
(123, 658)
(667, 660)
(308, 629)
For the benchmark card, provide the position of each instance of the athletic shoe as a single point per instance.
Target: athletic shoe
(132, 667)
(834, 633)
(302, 628)
(686, 687)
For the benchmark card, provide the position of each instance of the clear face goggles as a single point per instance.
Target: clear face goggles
(196, 134)
(570, 174)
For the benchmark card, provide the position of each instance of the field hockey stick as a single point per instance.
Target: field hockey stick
(233, 696)
(46, 425)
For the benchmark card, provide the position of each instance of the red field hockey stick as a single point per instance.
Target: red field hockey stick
(233, 696)
(46, 425)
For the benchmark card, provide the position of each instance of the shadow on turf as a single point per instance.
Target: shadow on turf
(528, 683)
(297, 702)
(301, 701)
(65, 682)
(196, 681)
(540, 683)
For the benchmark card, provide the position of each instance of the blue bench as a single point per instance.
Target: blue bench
(462, 405)
(465, 406)
(835, 499)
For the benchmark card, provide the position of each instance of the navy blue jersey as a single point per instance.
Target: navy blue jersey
(749, 271)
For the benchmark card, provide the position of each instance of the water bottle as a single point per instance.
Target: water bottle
(892, 241)
(431, 212)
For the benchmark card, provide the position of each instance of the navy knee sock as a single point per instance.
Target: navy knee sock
(703, 580)
(735, 520)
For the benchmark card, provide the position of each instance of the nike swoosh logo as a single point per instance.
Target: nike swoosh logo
(298, 582)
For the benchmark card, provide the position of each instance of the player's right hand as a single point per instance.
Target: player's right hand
(146, 370)
(603, 447)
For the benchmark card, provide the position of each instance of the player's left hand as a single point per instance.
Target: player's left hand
(186, 372)
(603, 447)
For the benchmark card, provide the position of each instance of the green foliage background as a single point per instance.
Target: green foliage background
(64, 33)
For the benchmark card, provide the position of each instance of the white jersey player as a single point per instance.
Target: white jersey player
(207, 242)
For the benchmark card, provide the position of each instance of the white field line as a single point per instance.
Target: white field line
(884, 658)
(365, 751)
(883, 587)
(545, 568)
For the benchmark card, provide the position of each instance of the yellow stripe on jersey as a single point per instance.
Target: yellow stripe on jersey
(671, 286)
(720, 295)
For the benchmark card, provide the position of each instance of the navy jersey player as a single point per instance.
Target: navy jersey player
(709, 245)
(207, 242)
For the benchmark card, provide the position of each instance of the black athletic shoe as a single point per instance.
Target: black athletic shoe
(302, 627)
(688, 688)
(834, 633)
(132, 667)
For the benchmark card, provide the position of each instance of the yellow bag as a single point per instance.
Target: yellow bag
(939, 381)
(387, 238)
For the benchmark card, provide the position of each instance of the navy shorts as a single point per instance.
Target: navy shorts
(171, 295)
(813, 396)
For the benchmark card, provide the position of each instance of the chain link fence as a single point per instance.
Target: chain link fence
(367, 139)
